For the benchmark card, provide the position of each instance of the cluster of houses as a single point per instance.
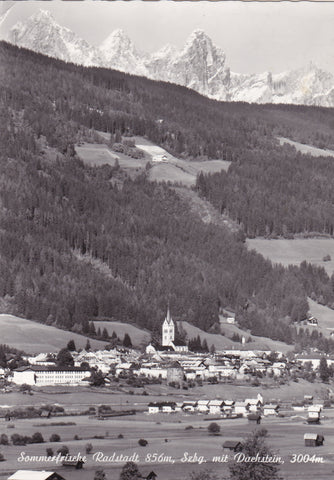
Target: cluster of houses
(171, 362)
(253, 408)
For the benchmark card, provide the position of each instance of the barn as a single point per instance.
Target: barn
(233, 445)
(254, 418)
(313, 440)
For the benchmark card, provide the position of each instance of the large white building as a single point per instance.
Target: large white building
(45, 375)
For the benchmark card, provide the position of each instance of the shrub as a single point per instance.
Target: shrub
(76, 437)
(37, 438)
(214, 428)
(142, 442)
(17, 439)
(4, 439)
(63, 450)
(89, 448)
(2, 458)
(25, 388)
(120, 436)
(49, 452)
(189, 427)
(55, 437)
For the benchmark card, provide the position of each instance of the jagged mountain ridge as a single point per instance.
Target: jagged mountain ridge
(200, 65)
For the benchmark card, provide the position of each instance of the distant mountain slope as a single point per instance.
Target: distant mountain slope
(199, 65)
(148, 245)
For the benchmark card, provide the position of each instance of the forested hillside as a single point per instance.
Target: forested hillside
(76, 245)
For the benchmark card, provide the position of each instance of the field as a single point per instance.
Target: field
(307, 149)
(293, 252)
(33, 337)
(169, 438)
(76, 399)
(173, 169)
(325, 318)
(223, 342)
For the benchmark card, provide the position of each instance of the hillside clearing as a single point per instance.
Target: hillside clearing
(307, 149)
(224, 343)
(33, 337)
(293, 252)
(172, 169)
(138, 336)
(324, 315)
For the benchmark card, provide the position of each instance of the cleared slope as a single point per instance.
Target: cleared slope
(293, 252)
(220, 342)
(32, 337)
(307, 149)
(324, 315)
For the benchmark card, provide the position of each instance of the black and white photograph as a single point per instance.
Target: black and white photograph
(166, 240)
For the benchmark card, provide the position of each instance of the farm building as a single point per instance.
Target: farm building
(233, 445)
(215, 406)
(254, 418)
(35, 475)
(164, 407)
(241, 408)
(202, 406)
(270, 409)
(313, 440)
(77, 464)
(313, 414)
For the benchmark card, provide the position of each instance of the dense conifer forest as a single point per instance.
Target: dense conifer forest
(79, 243)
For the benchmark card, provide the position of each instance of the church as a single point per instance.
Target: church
(168, 338)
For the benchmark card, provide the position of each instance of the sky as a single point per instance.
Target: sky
(256, 36)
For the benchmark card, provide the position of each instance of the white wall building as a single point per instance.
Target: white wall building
(40, 376)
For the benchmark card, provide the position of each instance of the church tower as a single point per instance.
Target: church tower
(168, 330)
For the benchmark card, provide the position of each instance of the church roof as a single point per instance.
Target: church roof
(168, 318)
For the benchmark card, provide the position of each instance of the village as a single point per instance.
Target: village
(171, 364)
(173, 393)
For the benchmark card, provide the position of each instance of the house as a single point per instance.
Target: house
(45, 413)
(255, 403)
(312, 321)
(189, 406)
(313, 413)
(35, 475)
(164, 407)
(41, 376)
(153, 408)
(215, 407)
(202, 406)
(227, 316)
(241, 408)
(175, 373)
(308, 399)
(270, 409)
(233, 445)
(77, 464)
(254, 418)
(313, 440)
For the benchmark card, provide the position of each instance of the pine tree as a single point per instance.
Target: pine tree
(127, 341)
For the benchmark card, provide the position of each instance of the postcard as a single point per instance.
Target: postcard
(166, 240)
